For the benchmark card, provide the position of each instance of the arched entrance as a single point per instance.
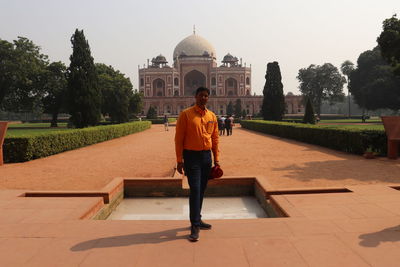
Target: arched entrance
(158, 87)
(193, 80)
(180, 107)
(231, 87)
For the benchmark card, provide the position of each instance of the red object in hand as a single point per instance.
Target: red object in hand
(216, 172)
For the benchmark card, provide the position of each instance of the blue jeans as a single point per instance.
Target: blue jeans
(197, 166)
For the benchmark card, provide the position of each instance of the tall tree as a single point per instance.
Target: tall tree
(321, 83)
(151, 113)
(373, 84)
(389, 42)
(55, 90)
(21, 68)
(84, 96)
(347, 67)
(136, 103)
(8, 68)
(238, 108)
(229, 109)
(273, 107)
(309, 115)
(116, 92)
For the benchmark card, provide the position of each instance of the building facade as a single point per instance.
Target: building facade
(170, 89)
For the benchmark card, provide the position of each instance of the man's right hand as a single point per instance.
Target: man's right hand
(179, 167)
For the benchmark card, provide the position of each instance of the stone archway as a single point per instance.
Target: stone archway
(193, 80)
(167, 109)
(158, 87)
(231, 87)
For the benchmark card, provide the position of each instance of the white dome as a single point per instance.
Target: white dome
(194, 45)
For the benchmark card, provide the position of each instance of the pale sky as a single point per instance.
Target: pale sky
(125, 33)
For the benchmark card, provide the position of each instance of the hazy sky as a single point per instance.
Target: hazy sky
(125, 33)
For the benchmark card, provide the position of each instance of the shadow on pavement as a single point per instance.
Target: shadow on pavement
(133, 239)
(362, 169)
(391, 234)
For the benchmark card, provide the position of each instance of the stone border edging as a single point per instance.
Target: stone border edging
(113, 193)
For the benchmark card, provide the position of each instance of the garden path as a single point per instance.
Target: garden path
(283, 163)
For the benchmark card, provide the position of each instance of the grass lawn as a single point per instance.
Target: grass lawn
(35, 125)
(31, 132)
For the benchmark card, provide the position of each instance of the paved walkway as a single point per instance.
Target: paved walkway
(358, 228)
(283, 163)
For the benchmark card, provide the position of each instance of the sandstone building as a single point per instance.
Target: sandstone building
(170, 88)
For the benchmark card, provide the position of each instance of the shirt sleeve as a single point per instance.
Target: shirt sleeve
(180, 136)
(215, 140)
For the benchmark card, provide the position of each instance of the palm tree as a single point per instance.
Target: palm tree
(347, 68)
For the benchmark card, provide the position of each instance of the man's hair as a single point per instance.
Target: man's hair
(201, 89)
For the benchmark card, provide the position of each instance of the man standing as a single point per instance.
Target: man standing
(228, 125)
(196, 136)
(223, 123)
(165, 120)
(232, 124)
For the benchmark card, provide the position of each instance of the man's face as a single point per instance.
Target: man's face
(202, 98)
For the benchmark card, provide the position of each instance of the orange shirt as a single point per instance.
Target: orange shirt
(196, 129)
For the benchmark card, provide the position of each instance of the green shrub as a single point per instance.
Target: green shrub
(24, 148)
(350, 140)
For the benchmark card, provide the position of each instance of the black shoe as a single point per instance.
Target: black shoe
(194, 233)
(205, 226)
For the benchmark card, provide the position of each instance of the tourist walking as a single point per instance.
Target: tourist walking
(165, 123)
(221, 126)
(223, 123)
(195, 138)
(228, 126)
(232, 123)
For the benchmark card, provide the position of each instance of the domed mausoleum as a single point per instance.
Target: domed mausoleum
(171, 88)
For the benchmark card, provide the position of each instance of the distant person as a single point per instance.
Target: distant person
(232, 123)
(317, 119)
(228, 126)
(165, 123)
(196, 136)
(221, 126)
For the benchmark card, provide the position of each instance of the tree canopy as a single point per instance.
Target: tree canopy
(84, 96)
(347, 67)
(21, 68)
(230, 109)
(373, 84)
(117, 94)
(273, 107)
(238, 108)
(321, 83)
(136, 103)
(54, 90)
(151, 113)
(389, 42)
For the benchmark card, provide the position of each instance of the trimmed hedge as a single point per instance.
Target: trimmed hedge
(344, 139)
(25, 148)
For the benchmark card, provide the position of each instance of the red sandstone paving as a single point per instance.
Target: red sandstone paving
(283, 163)
(342, 229)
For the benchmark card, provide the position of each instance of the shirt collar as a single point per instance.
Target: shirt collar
(200, 111)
